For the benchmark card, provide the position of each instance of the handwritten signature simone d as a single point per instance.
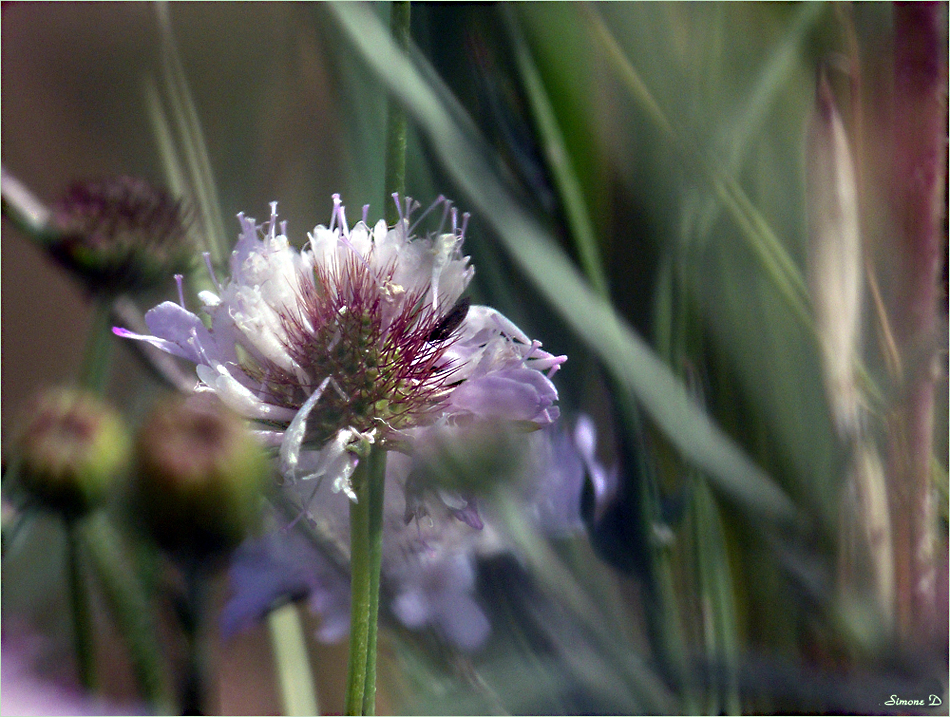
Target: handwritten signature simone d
(931, 701)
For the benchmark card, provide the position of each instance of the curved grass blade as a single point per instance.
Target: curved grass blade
(559, 160)
(193, 143)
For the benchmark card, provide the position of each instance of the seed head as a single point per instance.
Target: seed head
(121, 234)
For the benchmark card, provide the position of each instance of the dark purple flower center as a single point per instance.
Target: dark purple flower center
(353, 325)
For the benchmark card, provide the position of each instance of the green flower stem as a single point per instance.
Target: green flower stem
(377, 486)
(95, 369)
(366, 538)
(197, 672)
(289, 644)
(396, 125)
(82, 617)
(127, 603)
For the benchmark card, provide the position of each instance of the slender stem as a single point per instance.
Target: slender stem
(366, 516)
(920, 77)
(130, 608)
(289, 644)
(396, 125)
(197, 673)
(366, 533)
(376, 494)
(95, 369)
(82, 617)
(359, 592)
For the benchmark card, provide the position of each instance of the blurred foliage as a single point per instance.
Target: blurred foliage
(636, 177)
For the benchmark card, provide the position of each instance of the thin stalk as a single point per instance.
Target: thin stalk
(82, 616)
(366, 539)
(396, 124)
(377, 486)
(289, 645)
(95, 369)
(920, 74)
(359, 595)
(197, 672)
(130, 608)
(366, 516)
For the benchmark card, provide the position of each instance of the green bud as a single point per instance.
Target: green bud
(71, 447)
(200, 477)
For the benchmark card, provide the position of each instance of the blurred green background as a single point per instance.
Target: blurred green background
(630, 168)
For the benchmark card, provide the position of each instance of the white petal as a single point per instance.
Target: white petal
(293, 437)
(238, 397)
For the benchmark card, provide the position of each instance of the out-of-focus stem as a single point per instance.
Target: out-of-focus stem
(198, 671)
(289, 643)
(82, 617)
(26, 212)
(127, 602)
(95, 369)
(920, 74)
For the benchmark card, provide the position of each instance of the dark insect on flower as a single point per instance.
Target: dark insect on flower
(121, 234)
(451, 321)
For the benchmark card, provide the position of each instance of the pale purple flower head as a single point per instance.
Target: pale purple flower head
(361, 336)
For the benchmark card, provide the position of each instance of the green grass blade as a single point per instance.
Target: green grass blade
(559, 160)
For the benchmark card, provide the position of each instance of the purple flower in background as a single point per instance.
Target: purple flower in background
(28, 691)
(561, 464)
(427, 563)
(285, 566)
(432, 540)
(360, 337)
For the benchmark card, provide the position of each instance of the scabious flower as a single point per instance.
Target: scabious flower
(360, 337)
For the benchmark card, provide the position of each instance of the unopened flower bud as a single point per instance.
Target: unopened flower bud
(121, 234)
(71, 448)
(200, 477)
